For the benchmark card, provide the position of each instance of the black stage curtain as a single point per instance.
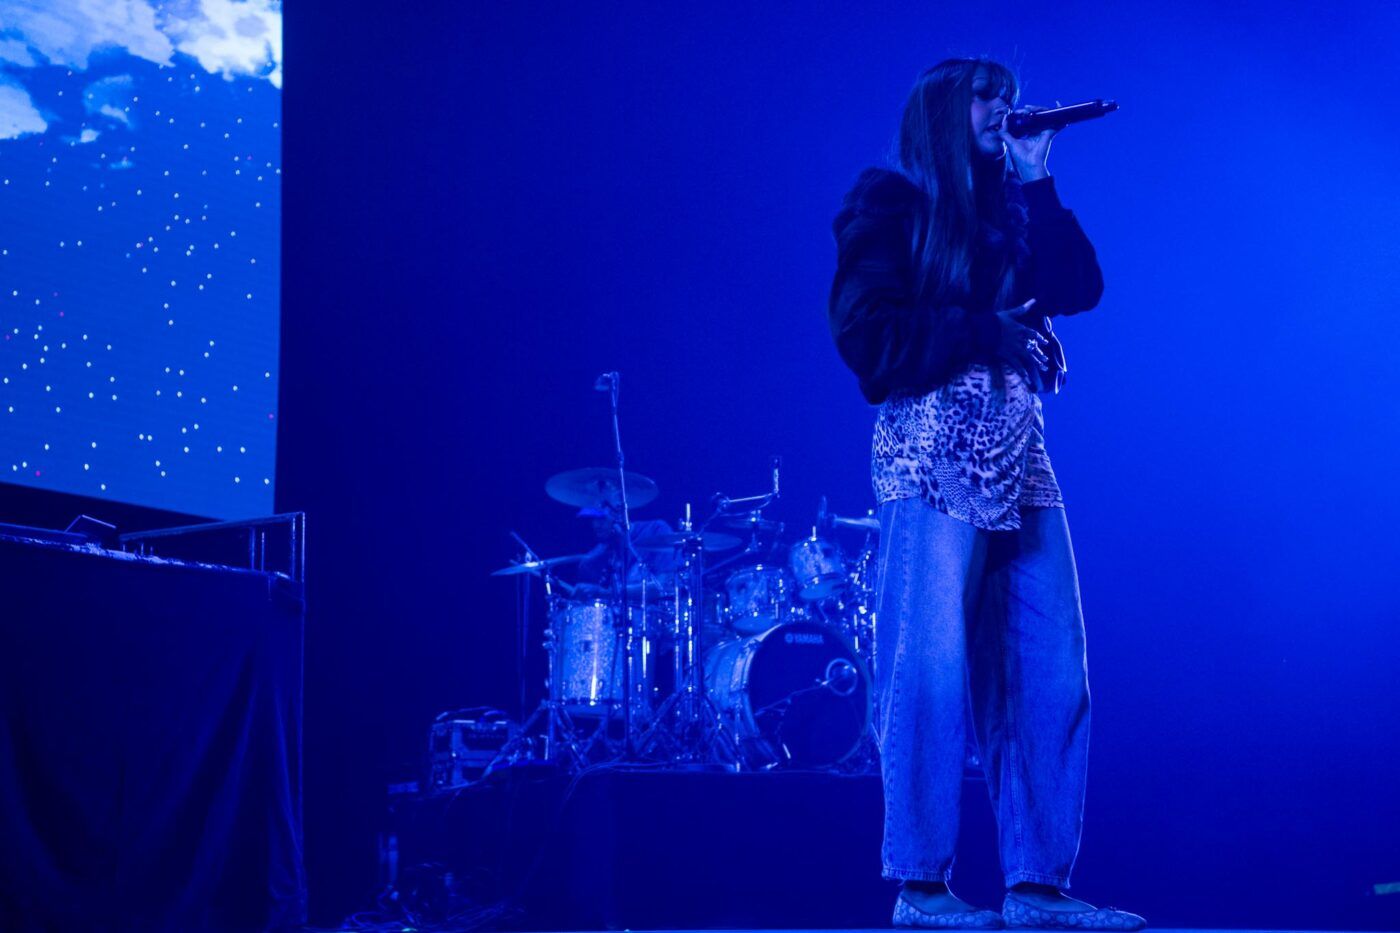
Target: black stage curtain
(641, 849)
(150, 745)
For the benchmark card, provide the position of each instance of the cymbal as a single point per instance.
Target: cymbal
(752, 523)
(868, 522)
(709, 541)
(535, 566)
(598, 487)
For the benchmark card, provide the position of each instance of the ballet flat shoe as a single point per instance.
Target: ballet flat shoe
(907, 915)
(1020, 915)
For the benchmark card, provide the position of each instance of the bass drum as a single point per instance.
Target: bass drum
(796, 695)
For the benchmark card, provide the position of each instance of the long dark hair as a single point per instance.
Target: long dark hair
(968, 199)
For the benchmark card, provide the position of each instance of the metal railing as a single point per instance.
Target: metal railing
(276, 544)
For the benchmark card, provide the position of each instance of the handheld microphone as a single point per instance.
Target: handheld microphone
(605, 382)
(1028, 124)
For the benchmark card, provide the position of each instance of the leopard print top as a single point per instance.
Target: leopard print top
(972, 449)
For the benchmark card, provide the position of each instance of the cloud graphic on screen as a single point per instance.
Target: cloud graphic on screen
(18, 116)
(110, 97)
(16, 52)
(67, 32)
(232, 38)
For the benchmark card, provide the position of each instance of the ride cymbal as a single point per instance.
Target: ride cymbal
(599, 488)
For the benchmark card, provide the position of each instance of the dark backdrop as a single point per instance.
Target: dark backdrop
(486, 205)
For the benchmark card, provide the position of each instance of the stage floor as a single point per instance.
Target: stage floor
(635, 850)
(1150, 929)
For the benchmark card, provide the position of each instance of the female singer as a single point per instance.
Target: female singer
(949, 270)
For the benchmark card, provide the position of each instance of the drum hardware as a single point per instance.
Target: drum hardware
(749, 505)
(840, 677)
(707, 540)
(826, 520)
(746, 512)
(590, 651)
(854, 598)
(864, 523)
(770, 648)
(553, 717)
(757, 593)
(687, 724)
(752, 554)
(599, 647)
(861, 597)
(522, 611)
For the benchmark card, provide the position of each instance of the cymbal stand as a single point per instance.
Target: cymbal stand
(861, 591)
(560, 732)
(522, 624)
(633, 628)
(687, 722)
(528, 555)
(863, 579)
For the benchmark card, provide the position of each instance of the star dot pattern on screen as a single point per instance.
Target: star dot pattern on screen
(139, 290)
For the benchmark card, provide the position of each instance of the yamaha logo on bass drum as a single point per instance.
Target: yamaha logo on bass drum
(804, 638)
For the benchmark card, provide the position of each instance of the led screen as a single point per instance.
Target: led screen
(139, 250)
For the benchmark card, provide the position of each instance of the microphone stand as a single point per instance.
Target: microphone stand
(626, 633)
(724, 505)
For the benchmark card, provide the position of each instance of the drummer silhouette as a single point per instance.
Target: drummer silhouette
(600, 570)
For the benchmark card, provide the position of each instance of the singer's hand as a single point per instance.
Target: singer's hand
(1020, 345)
(1029, 153)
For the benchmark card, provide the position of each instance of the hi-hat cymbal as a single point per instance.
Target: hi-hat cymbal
(599, 488)
(708, 540)
(652, 590)
(535, 566)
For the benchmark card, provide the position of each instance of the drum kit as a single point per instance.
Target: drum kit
(718, 644)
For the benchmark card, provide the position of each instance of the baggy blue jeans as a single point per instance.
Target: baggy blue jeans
(992, 617)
